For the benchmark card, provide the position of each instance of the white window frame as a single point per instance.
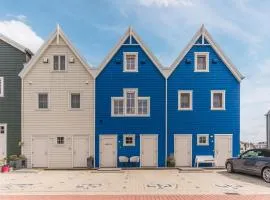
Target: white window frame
(126, 90)
(133, 140)
(223, 92)
(2, 86)
(38, 101)
(69, 100)
(112, 106)
(124, 98)
(190, 92)
(196, 54)
(125, 61)
(66, 63)
(148, 106)
(202, 135)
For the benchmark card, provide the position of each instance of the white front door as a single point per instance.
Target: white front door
(223, 149)
(80, 151)
(40, 151)
(183, 150)
(108, 150)
(3, 141)
(149, 150)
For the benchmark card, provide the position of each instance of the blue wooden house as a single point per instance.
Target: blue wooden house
(203, 103)
(130, 107)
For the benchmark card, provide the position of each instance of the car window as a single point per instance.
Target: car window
(253, 154)
(266, 154)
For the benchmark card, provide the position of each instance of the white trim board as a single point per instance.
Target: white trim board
(203, 32)
(130, 33)
(15, 44)
(58, 32)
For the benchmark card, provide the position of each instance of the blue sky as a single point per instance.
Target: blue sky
(240, 27)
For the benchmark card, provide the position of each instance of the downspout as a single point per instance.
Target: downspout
(166, 125)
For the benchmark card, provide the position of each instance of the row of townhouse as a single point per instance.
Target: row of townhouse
(129, 106)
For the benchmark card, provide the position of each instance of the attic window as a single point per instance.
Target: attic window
(201, 62)
(59, 63)
(130, 62)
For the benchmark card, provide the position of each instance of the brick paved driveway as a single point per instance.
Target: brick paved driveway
(140, 197)
(130, 182)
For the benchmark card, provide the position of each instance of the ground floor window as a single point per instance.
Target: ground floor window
(202, 139)
(129, 140)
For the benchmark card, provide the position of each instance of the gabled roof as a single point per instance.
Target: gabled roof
(132, 34)
(56, 34)
(15, 44)
(202, 32)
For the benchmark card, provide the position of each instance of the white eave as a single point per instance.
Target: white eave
(15, 44)
(203, 32)
(130, 33)
(58, 32)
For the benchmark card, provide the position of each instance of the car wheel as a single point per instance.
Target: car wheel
(229, 167)
(266, 174)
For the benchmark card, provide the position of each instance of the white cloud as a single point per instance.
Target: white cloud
(21, 33)
(166, 3)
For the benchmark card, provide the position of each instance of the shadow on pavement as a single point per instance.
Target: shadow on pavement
(245, 178)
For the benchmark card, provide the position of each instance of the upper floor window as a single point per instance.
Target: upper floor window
(75, 100)
(218, 100)
(43, 102)
(185, 100)
(59, 62)
(201, 62)
(130, 62)
(1, 86)
(130, 104)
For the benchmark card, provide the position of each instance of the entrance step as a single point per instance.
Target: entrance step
(108, 170)
(190, 169)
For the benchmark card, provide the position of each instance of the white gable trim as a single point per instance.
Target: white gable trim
(14, 44)
(129, 33)
(58, 32)
(206, 35)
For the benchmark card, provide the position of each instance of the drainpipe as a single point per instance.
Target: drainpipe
(166, 121)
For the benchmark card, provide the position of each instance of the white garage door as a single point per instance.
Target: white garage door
(80, 151)
(183, 150)
(223, 149)
(108, 151)
(60, 151)
(40, 151)
(149, 150)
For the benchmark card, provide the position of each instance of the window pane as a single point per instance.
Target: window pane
(131, 62)
(2, 129)
(75, 100)
(43, 101)
(185, 100)
(60, 140)
(118, 106)
(62, 62)
(130, 102)
(143, 106)
(201, 62)
(55, 62)
(217, 100)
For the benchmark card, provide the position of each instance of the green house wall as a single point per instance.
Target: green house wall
(11, 63)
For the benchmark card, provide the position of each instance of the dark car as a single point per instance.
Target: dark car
(254, 162)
